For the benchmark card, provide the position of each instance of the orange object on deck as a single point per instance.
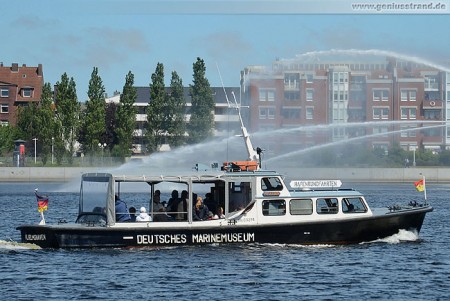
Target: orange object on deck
(240, 166)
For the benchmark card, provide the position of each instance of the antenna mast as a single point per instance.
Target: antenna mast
(253, 155)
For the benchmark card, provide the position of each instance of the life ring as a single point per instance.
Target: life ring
(432, 103)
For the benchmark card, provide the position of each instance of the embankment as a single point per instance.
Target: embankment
(399, 175)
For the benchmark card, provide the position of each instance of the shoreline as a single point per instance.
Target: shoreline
(379, 175)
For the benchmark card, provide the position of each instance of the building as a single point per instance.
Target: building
(226, 120)
(19, 86)
(388, 101)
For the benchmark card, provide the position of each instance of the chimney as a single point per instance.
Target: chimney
(39, 70)
(24, 65)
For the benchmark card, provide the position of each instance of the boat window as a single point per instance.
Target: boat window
(327, 205)
(94, 196)
(271, 183)
(353, 205)
(240, 195)
(274, 207)
(301, 207)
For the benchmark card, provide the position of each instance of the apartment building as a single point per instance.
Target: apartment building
(226, 120)
(387, 101)
(19, 86)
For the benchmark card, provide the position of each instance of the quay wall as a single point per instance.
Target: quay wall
(399, 175)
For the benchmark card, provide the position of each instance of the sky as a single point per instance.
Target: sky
(118, 36)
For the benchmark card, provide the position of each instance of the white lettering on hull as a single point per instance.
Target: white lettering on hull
(168, 239)
(159, 239)
(223, 237)
(35, 237)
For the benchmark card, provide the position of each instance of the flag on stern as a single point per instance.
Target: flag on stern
(420, 185)
(42, 201)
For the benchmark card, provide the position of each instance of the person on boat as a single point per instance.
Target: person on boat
(219, 214)
(122, 214)
(172, 205)
(162, 216)
(143, 216)
(200, 212)
(182, 206)
(210, 202)
(156, 204)
(132, 211)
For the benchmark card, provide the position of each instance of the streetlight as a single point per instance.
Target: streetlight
(35, 139)
(102, 146)
(53, 141)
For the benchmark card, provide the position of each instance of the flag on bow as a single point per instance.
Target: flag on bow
(420, 185)
(42, 201)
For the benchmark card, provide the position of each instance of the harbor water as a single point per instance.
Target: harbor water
(401, 267)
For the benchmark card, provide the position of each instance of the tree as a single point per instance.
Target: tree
(7, 136)
(201, 122)
(45, 122)
(126, 116)
(67, 118)
(94, 115)
(110, 136)
(176, 107)
(156, 117)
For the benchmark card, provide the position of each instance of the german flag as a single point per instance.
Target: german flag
(42, 201)
(420, 185)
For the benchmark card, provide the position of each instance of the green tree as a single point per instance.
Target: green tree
(7, 136)
(156, 117)
(126, 116)
(176, 107)
(67, 118)
(94, 115)
(26, 121)
(201, 122)
(45, 122)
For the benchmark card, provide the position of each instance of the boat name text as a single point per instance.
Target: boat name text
(30, 237)
(163, 239)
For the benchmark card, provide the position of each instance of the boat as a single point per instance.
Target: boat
(258, 205)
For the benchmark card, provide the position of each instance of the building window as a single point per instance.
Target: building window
(380, 95)
(309, 113)
(404, 95)
(292, 80)
(380, 113)
(309, 78)
(266, 113)
(4, 93)
(410, 95)
(266, 95)
(309, 94)
(4, 108)
(27, 92)
(380, 131)
(408, 131)
(290, 113)
(292, 96)
(408, 113)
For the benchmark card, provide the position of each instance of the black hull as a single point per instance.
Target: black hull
(329, 232)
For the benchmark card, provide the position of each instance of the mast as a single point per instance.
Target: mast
(253, 155)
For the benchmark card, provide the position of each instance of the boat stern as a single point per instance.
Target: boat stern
(40, 235)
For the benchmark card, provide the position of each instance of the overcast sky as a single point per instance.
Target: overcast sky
(122, 35)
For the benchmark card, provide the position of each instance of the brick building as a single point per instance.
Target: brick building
(226, 121)
(19, 86)
(385, 101)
